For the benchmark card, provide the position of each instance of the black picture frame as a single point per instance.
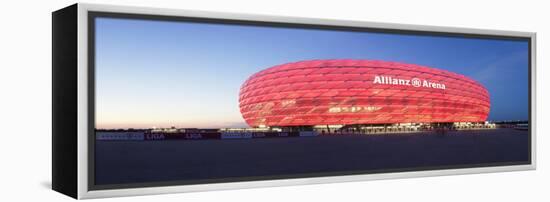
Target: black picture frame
(65, 60)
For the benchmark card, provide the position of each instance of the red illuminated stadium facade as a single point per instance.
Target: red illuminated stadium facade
(359, 92)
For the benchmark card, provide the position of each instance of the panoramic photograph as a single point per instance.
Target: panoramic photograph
(194, 102)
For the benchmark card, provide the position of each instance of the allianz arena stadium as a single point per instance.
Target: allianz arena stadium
(359, 92)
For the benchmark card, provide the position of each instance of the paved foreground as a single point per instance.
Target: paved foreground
(191, 160)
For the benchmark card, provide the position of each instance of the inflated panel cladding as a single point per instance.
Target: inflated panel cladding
(327, 92)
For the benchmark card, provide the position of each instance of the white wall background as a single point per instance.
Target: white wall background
(25, 99)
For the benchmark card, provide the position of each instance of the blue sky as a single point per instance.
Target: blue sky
(160, 73)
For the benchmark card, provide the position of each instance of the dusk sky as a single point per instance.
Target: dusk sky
(160, 73)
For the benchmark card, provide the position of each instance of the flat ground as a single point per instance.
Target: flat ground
(154, 161)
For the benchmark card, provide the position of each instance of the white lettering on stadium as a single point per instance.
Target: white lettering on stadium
(388, 80)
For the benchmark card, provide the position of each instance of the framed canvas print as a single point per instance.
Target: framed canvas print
(149, 101)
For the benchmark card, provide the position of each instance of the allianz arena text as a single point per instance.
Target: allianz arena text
(351, 92)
